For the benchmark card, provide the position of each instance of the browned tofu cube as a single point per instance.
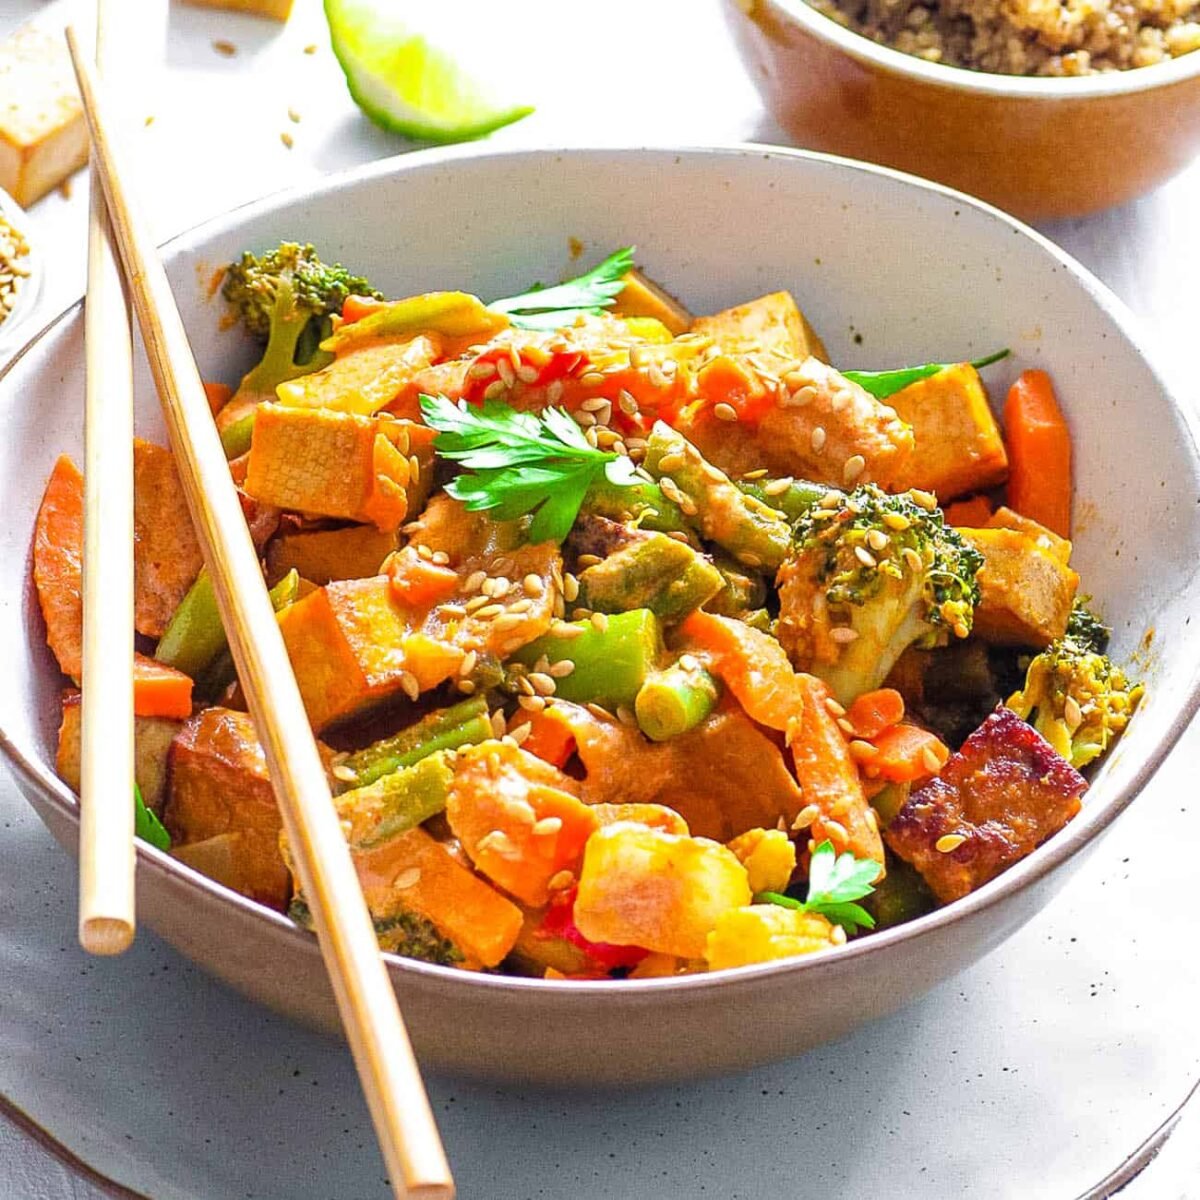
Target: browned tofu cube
(334, 464)
(1003, 794)
(1026, 591)
(152, 737)
(771, 324)
(958, 444)
(43, 138)
(277, 10)
(642, 297)
(323, 555)
(1005, 518)
(166, 551)
(218, 787)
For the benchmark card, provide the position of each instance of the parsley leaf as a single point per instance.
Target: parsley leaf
(553, 307)
(516, 463)
(882, 384)
(834, 883)
(146, 825)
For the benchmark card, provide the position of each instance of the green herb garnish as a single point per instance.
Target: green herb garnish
(835, 881)
(146, 825)
(882, 384)
(519, 462)
(553, 307)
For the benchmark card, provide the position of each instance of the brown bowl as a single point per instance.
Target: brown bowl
(1037, 147)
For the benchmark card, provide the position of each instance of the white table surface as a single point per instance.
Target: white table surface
(1032, 1075)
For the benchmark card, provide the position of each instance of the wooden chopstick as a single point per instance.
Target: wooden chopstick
(106, 850)
(391, 1080)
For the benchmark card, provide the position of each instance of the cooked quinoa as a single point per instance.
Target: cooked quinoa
(1028, 37)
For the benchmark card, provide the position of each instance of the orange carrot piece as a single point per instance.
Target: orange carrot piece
(1039, 443)
(873, 712)
(419, 584)
(58, 564)
(549, 737)
(970, 514)
(218, 396)
(159, 690)
(752, 664)
(906, 753)
(829, 778)
(724, 380)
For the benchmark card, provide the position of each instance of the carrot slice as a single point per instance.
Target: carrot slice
(419, 584)
(970, 514)
(58, 564)
(1039, 444)
(906, 753)
(159, 690)
(873, 712)
(549, 737)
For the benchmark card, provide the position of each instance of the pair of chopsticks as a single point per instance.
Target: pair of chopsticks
(388, 1071)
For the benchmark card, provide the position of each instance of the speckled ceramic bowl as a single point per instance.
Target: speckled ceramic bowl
(716, 226)
(1037, 147)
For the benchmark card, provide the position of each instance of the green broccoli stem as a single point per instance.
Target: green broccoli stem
(612, 657)
(655, 572)
(675, 700)
(793, 501)
(755, 534)
(642, 503)
(194, 637)
(397, 802)
(462, 724)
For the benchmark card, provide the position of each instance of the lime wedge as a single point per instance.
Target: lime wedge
(403, 77)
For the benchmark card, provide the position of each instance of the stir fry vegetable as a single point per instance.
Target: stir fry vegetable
(641, 643)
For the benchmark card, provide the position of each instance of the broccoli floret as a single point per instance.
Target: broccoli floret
(403, 933)
(869, 575)
(1073, 695)
(285, 299)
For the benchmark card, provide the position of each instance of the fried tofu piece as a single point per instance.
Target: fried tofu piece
(276, 10)
(1026, 591)
(166, 551)
(1005, 518)
(642, 297)
(323, 555)
(342, 465)
(43, 138)
(218, 786)
(958, 444)
(826, 429)
(152, 737)
(770, 324)
(352, 647)
(1003, 794)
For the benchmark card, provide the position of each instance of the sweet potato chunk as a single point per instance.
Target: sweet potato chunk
(1026, 590)
(958, 443)
(166, 552)
(1004, 793)
(1005, 518)
(152, 737)
(323, 555)
(335, 464)
(517, 818)
(351, 647)
(772, 323)
(644, 887)
(218, 784)
(58, 564)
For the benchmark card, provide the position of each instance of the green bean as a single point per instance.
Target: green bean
(655, 572)
(673, 701)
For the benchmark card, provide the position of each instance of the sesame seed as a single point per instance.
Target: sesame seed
(468, 663)
(817, 440)
(626, 717)
(865, 557)
(531, 703)
(835, 831)
(671, 462)
(592, 378)
(837, 935)
(481, 370)
(923, 499)
(498, 723)
(930, 760)
(560, 881)
(554, 391)
(498, 842)
(831, 501)
(896, 521)
(500, 585)
(488, 611)
(948, 842)
(424, 552)
(596, 711)
(599, 622)
(570, 588)
(414, 468)
(800, 398)
(533, 585)
(527, 373)
(407, 879)
(466, 686)
(845, 727)
(562, 668)
(689, 662)
(547, 826)
(410, 685)
(855, 465)
(476, 603)
(872, 819)
(440, 558)
(759, 473)
(563, 629)
(657, 377)
(805, 817)
(725, 412)
(520, 606)
(474, 581)
(844, 635)
(778, 486)
(877, 540)
(494, 390)
(508, 620)
(833, 707)
(584, 419)
(507, 375)
(520, 733)
(542, 683)
(749, 559)
(688, 505)
(1072, 713)
(627, 402)
(860, 750)
(525, 687)
(797, 378)
(343, 773)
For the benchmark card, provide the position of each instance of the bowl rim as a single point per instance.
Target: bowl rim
(980, 83)
(39, 776)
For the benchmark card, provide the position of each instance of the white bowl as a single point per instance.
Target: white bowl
(891, 271)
